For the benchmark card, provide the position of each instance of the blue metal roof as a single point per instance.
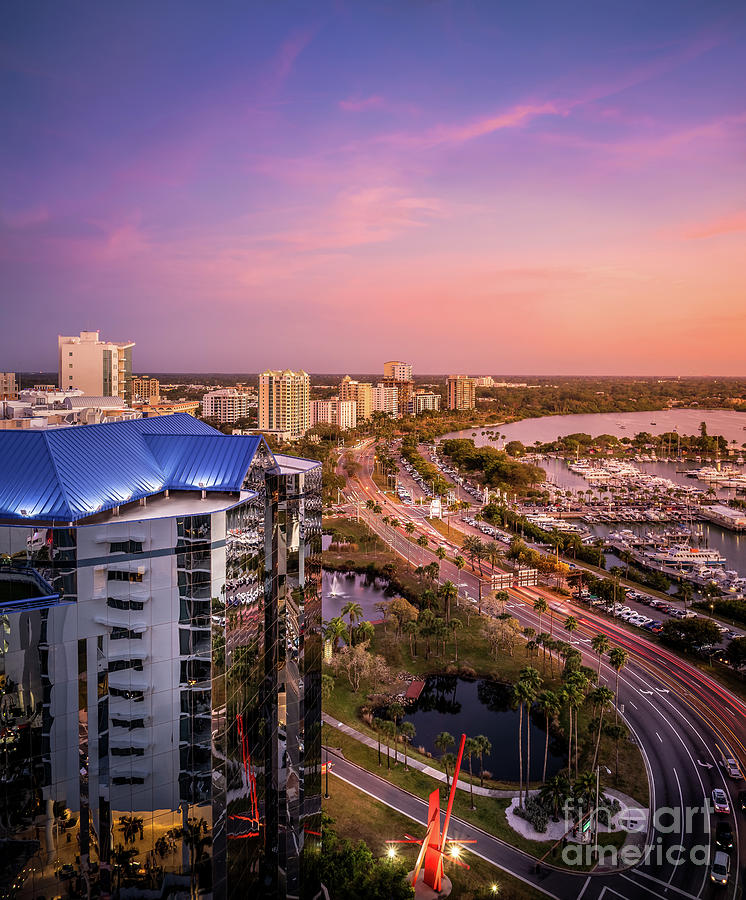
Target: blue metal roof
(65, 474)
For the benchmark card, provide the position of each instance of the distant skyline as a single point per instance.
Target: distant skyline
(476, 187)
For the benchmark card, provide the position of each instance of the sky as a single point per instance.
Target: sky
(483, 187)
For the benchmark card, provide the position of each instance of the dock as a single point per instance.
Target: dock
(414, 690)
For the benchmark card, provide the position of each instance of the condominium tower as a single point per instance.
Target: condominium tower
(96, 367)
(359, 391)
(462, 392)
(284, 402)
(397, 370)
(161, 617)
(226, 405)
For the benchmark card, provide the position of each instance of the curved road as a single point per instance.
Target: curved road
(684, 722)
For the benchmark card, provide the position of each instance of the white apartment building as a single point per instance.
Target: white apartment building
(486, 381)
(386, 399)
(100, 368)
(285, 402)
(342, 413)
(422, 401)
(225, 405)
(398, 370)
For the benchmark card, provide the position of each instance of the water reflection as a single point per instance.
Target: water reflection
(460, 705)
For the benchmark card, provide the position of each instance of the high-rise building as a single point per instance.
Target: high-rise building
(397, 370)
(145, 389)
(359, 391)
(161, 617)
(462, 392)
(386, 399)
(8, 388)
(100, 368)
(342, 413)
(422, 401)
(226, 405)
(285, 402)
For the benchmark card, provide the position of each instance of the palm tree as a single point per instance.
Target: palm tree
(502, 598)
(426, 627)
(493, 552)
(471, 748)
(353, 611)
(571, 624)
(601, 697)
(196, 837)
(377, 726)
(396, 711)
(448, 592)
(484, 745)
(407, 733)
(448, 761)
(530, 676)
(549, 704)
(455, 625)
(411, 629)
(522, 693)
(617, 661)
(388, 728)
(443, 741)
(616, 731)
(585, 789)
(600, 644)
(334, 631)
(540, 607)
(555, 792)
(440, 552)
(459, 562)
(422, 541)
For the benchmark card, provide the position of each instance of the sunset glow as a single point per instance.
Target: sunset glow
(515, 188)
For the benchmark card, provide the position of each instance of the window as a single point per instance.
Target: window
(114, 603)
(120, 665)
(116, 575)
(119, 634)
(136, 696)
(125, 547)
(128, 751)
(129, 724)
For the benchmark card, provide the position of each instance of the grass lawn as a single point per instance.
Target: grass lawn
(361, 818)
(474, 653)
(489, 814)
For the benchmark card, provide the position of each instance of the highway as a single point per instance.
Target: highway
(683, 721)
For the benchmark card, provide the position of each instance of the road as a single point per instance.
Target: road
(683, 721)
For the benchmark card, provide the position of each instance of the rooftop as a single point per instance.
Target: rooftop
(67, 474)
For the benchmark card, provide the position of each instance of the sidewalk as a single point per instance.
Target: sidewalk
(415, 763)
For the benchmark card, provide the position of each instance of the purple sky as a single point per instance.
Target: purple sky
(473, 186)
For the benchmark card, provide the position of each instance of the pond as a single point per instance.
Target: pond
(339, 588)
(464, 706)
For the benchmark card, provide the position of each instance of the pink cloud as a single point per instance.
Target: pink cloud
(515, 117)
(290, 49)
(356, 104)
(364, 216)
(729, 224)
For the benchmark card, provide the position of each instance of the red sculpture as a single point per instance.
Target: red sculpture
(433, 845)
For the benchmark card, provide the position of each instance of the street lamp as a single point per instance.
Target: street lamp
(326, 788)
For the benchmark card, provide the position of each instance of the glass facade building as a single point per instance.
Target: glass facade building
(160, 664)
